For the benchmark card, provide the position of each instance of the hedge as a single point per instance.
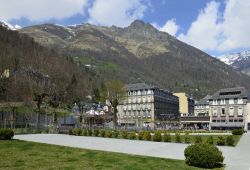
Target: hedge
(237, 131)
(6, 134)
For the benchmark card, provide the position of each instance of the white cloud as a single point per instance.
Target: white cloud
(170, 27)
(40, 10)
(236, 25)
(117, 12)
(203, 31)
(221, 32)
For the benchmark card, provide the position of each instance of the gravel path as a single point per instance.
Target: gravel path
(235, 157)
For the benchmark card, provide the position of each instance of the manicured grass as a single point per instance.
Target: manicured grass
(17, 154)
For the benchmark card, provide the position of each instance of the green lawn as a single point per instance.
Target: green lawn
(16, 154)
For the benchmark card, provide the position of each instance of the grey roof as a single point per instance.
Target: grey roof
(204, 101)
(229, 93)
(139, 86)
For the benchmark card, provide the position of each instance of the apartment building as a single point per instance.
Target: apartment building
(228, 108)
(147, 106)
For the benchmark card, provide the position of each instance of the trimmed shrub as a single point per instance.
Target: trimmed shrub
(230, 140)
(6, 134)
(124, 134)
(203, 156)
(70, 132)
(96, 132)
(210, 140)
(237, 131)
(140, 135)
(221, 141)
(132, 135)
(108, 134)
(90, 132)
(187, 138)
(102, 133)
(167, 137)
(177, 138)
(115, 134)
(157, 136)
(197, 139)
(84, 132)
(147, 136)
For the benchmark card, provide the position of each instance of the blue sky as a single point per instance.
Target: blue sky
(214, 26)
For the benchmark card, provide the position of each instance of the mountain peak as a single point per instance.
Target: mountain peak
(141, 25)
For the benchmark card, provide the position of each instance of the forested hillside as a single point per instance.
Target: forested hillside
(27, 68)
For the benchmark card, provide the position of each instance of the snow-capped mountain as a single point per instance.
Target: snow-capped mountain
(239, 61)
(9, 26)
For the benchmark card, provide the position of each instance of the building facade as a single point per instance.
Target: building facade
(201, 107)
(147, 106)
(228, 109)
(200, 119)
(186, 104)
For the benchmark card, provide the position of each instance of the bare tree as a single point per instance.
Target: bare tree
(113, 92)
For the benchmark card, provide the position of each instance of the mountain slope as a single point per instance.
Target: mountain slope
(139, 53)
(239, 61)
(27, 67)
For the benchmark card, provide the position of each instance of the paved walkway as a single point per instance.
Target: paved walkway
(238, 158)
(235, 157)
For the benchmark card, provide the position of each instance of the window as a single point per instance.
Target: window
(231, 101)
(231, 111)
(240, 101)
(223, 101)
(222, 111)
(213, 120)
(223, 120)
(240, 111)
(231, 120)
(215, 112)
(240, 120)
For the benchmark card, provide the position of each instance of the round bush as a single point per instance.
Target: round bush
(203, 156)
(177, 138)
(70, 132)
(187, 138)
(237, 131)
(102, 133)
(197, 139)
(84, 132)
(124, 134)
(6, 134)
(210, 140)
(157, 136)
(147, 135)
(132, 135)
(221, 141)
(108, 134)
(115, 134)
(96, 132)
(167, 137)
(90, 132)
(230, 140)
(140, 135)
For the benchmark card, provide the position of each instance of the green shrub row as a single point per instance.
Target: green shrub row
(157, 137)
(6, 134)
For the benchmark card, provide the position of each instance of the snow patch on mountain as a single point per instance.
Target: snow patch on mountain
(230, 59)
(9, 26)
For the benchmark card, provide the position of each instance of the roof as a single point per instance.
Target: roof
(204, 101)
(230, 93)
(139, 86)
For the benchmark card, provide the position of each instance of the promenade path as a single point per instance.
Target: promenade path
(235, 157)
